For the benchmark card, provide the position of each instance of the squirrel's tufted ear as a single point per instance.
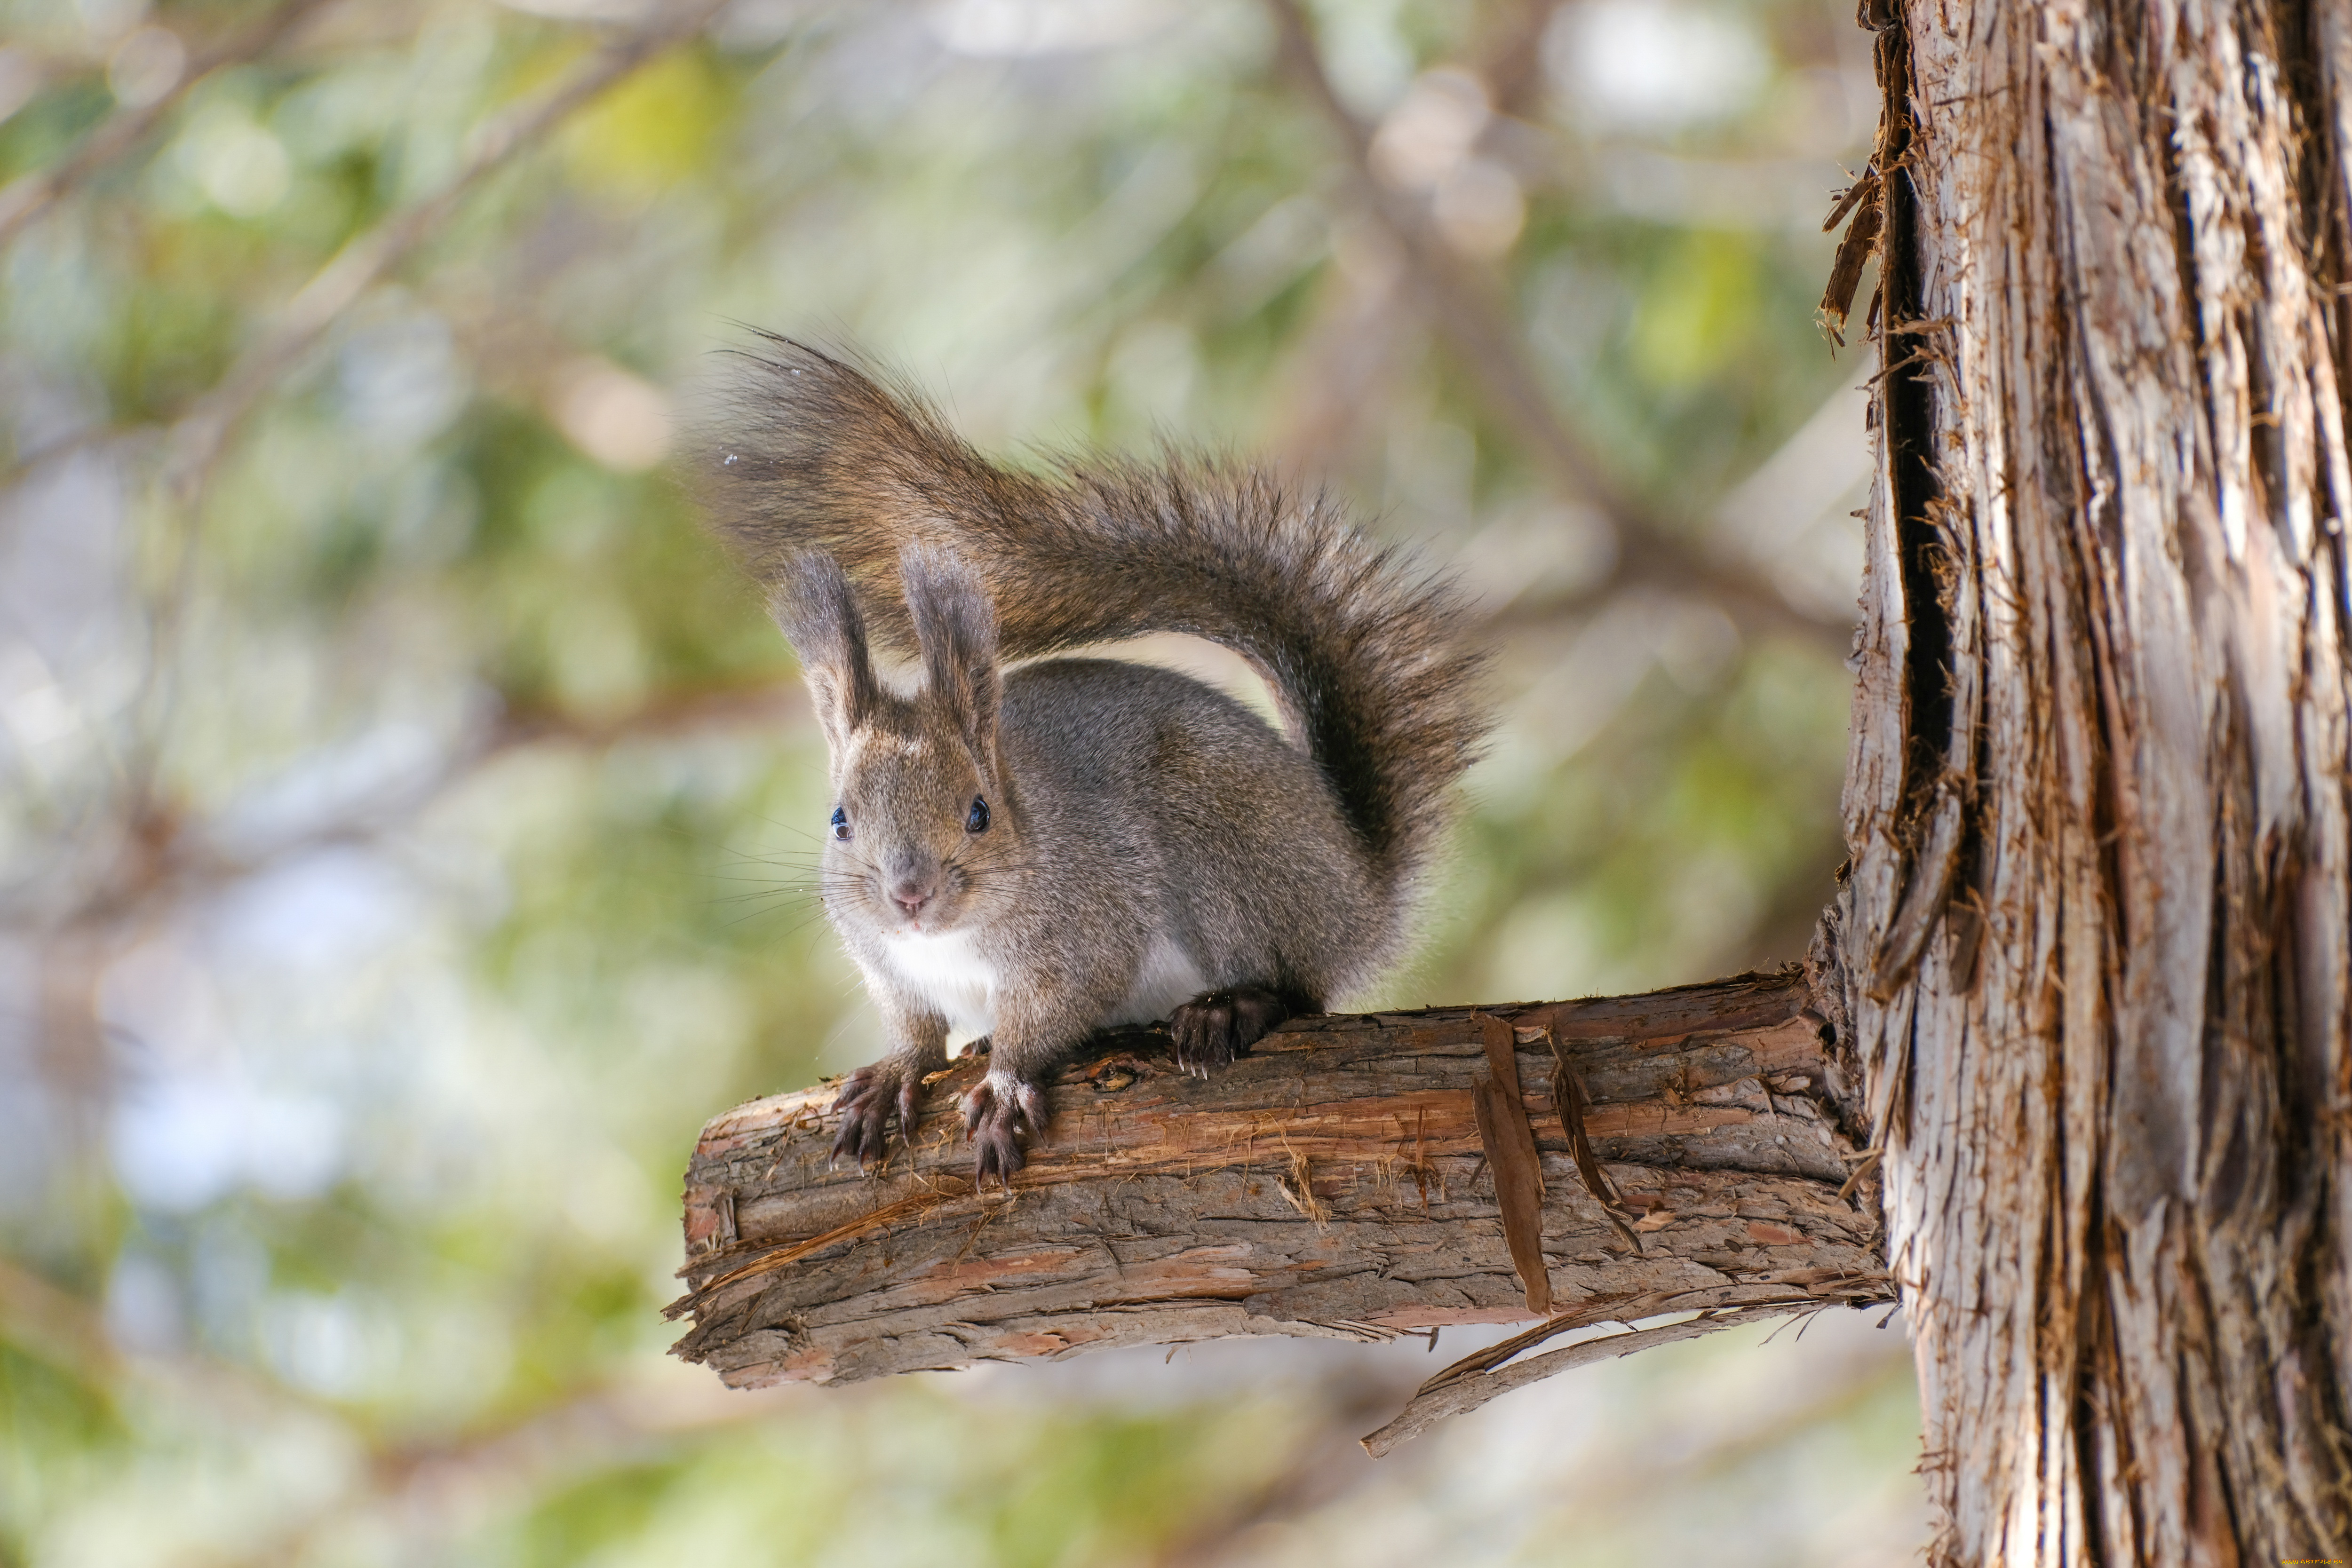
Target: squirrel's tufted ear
(955, 625)
(813, 604)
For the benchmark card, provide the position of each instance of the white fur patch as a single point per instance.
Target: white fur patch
(1169, 975)
(946, 970)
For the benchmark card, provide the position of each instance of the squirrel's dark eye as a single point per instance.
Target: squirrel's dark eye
(840, 823)
(977, 821)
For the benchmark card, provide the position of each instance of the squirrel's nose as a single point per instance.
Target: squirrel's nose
(911, 879)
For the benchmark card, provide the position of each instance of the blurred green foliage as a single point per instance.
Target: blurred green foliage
(405, 815)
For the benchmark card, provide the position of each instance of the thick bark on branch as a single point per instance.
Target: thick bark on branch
(1333, 1182)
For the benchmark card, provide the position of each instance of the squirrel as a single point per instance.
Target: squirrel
(1031, 853)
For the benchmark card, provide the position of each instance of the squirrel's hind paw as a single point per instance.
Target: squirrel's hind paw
(866, 1099)
(997, 1111)
(1217, 1025)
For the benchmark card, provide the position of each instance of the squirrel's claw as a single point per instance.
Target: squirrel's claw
(997, 1111)
(1217, 1025)
(866, 1099)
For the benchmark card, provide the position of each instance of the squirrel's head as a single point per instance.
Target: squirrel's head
(921, 825)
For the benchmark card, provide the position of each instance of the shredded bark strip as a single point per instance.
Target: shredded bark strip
(1509, 1144)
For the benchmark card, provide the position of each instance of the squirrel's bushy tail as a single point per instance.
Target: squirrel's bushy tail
(1371, 661)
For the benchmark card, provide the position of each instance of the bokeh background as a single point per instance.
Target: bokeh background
(399, 798)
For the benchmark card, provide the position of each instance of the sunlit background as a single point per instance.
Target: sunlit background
(397, 795)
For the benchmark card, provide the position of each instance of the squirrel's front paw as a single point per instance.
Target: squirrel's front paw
(866, 1099)
(997, 1111)
(1217, 1025)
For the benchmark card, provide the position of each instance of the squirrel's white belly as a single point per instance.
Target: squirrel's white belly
(945, 969)
(1168, 976)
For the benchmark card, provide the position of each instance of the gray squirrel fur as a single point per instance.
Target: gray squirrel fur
(1149, 847)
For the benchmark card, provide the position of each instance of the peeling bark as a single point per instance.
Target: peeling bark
(1333, 1183)
(2097, 796)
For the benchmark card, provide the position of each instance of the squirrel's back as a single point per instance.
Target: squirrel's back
(1188, 813)
(1369, 660)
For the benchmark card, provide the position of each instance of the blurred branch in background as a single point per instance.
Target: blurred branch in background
(153, 73)
(1651, 550)
(157, 855)
(197, 434)
(421, 1492)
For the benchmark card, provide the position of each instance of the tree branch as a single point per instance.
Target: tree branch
(1650, 548)
(1331, 1183)
(198, 435)
(202, 433)
(29, 195)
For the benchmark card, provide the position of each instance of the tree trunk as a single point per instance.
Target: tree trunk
(2097, 925)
